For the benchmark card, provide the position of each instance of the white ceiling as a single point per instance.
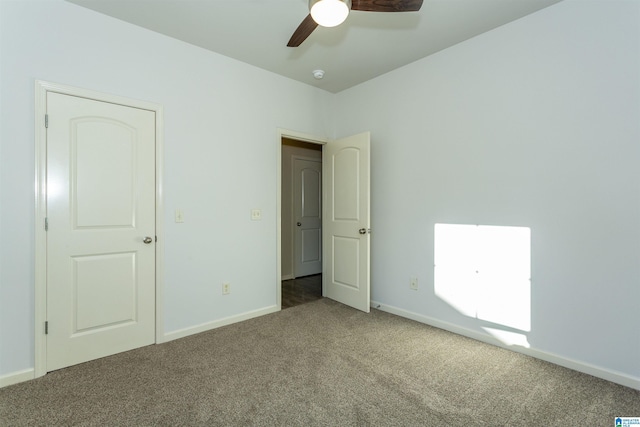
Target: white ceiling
(367, 45)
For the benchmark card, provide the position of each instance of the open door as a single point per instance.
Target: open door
(346, 226)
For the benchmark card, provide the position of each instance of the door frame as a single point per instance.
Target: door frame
(40, 270)
(299, 136)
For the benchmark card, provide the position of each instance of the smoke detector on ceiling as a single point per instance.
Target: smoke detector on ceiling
(318, 74)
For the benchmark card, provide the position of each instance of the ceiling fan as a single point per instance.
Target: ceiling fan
(330, 13)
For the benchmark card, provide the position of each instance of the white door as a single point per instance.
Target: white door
(307, 196)
(346, 165)
(101, 229)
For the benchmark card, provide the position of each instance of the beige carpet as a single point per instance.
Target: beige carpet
(318, 364)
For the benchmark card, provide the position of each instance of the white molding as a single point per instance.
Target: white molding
(203, 327)
(280, 133)
(288, 277)
(299, 136)
(576, 365)
(17, 377)
(159, 224)
(40, 273)
(40, 315)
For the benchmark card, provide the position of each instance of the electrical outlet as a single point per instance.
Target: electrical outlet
(226, 288)
(179, 215)
(413, 283)
(256, 214)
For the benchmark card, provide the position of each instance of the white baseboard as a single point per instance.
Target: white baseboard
(17, 377)
(576, 365)
(288, 277)
(181, 333)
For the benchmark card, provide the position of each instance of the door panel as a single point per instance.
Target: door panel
(311, 245)
(346, 166)
(346, 261)
(104, 289)
(346, 179)
(307, 217)
(98, 147)
(100, 208)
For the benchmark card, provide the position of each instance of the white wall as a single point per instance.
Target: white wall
(221, 155)
(534, 124)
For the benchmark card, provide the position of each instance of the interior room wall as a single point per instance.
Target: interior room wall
(291, 148)
(534, 124)
(216, 166)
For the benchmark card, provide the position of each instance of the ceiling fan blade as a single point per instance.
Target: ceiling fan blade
(386, 5)
(303, 31)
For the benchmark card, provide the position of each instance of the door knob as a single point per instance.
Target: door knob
(299, 224)
(148, 240)
(362, 231)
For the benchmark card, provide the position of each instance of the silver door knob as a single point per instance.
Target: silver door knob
(148, 240)
(362, 231)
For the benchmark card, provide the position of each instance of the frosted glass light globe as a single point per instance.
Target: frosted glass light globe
(329, 13)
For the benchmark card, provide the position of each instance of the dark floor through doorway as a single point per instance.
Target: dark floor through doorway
(301, 290)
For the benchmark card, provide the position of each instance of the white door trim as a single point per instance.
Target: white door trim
(299, 136)
(41, 90)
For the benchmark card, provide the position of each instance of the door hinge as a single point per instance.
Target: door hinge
(156, 238)
(46, 224)
(46, 328)
(46, 120)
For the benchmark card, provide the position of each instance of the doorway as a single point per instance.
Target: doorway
(346, 227)
(301, 222)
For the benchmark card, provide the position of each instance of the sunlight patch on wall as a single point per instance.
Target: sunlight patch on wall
(484, 272)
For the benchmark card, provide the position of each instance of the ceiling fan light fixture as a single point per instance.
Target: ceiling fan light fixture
(329, 13)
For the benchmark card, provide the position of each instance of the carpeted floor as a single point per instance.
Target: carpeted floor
(318, 364)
